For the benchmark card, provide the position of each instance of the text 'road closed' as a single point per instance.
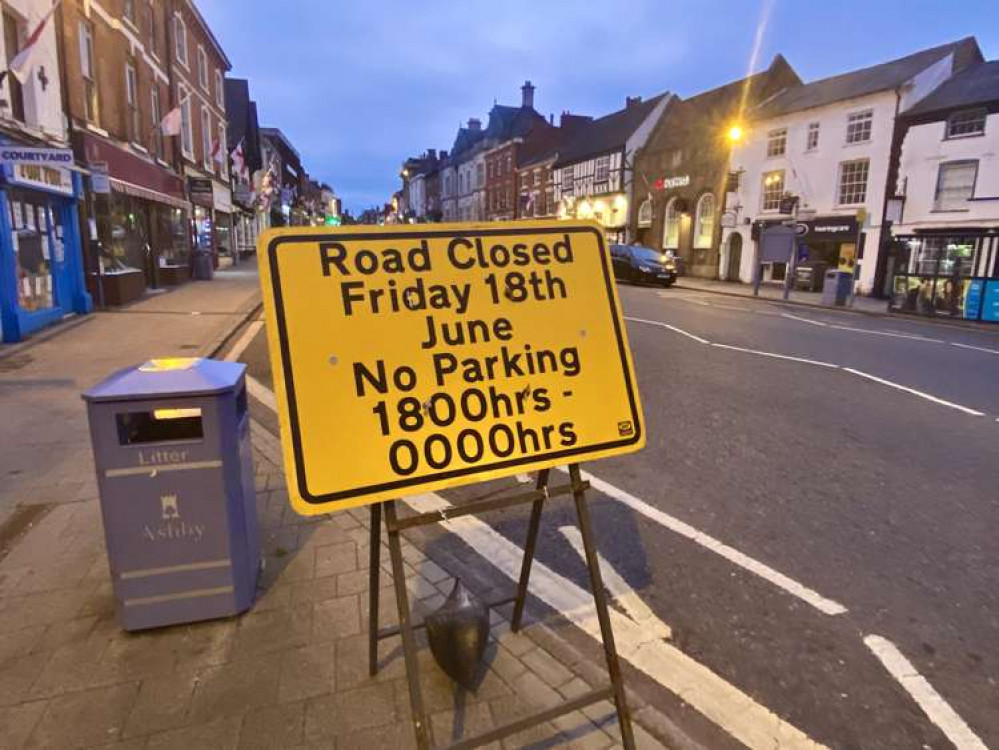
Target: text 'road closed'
(408, 359)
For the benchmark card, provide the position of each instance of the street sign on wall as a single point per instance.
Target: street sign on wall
(408, 359)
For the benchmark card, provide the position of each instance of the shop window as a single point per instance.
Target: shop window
(776, 142)
(180, 40)
(206, 139)
(132, 102)
(89, 72)
(853, 182)
(812, 139)
(37, 243)
(602, 169)
(858, 126)
(955, 185)
(645, 214)
(704, 224)
(773, 189)
(186, 122)
(969, 122)
(671, 226)
(12, 43)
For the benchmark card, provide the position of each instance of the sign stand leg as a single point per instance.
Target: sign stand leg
(374, 587)
(405, 627)
(603, 616)
(532, 539)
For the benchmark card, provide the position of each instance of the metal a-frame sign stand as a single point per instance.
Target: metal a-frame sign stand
(543, 491)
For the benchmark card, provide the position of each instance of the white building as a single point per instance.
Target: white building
(829, 143)
(593, 174)
(946, 203)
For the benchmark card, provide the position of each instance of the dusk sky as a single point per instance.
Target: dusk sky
(359, 86)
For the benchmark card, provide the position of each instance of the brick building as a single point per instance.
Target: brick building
(501, 182)
(116, 64)
(535, 176)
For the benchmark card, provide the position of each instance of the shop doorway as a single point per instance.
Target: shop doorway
(734, 257)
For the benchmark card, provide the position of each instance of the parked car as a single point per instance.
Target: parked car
(643, 265)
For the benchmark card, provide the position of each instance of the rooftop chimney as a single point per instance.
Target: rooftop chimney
(474, 124)
(527, 95)
(631, 101)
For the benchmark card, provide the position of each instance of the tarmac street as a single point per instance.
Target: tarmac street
(809, 536)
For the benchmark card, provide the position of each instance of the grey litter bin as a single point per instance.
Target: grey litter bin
(171, 443)
(203, 269)
(836, 288)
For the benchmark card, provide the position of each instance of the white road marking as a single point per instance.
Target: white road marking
(804, 320)
(777, 356)
(812, 597)
(244, 341)
(262, 393)
(976, 348)
(914, 392)
(933, 705)
(733, 307)
(659, 323)
(629, 600)
(749, 722)
(893, 334)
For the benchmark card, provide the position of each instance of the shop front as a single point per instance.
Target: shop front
(225, 240)
(947, 273)
(824, 242)
(609, 210)
(202, 195)
(138, 224)
(41, 271)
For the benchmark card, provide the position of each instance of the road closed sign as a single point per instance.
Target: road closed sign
(412, 358)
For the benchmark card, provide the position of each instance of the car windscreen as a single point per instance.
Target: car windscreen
(647, 254)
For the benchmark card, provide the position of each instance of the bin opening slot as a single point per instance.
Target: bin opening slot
(160, 426)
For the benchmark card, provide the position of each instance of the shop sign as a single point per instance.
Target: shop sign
(221, 197)
(100, 182)
(670, 183)
(728, 220)
(201, 190)
(43, 177)
(835, 228)
(53, 157)
(413, 358)
(990, 302)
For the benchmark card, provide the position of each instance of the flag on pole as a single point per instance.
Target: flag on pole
(20, 66)
(218, 153)
(239, 161)
(171, 122)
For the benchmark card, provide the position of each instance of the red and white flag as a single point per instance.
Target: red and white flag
(20, 66)
(171, 122)
(239, 161)
(218, 153)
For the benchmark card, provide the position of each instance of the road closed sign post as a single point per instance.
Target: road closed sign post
(408, 359)
(413, 358)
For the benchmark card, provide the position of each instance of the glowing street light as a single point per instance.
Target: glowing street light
(734, 134)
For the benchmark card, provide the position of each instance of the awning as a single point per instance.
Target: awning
(138, 191)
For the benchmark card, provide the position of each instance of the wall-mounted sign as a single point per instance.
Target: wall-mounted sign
(39, 176)
(202, 191)
(408, 358)
(100, 182)
(671, 183)
(728, 219)
(53, 157)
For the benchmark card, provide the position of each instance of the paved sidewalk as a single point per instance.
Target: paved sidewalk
(291, 673)
(867, 305)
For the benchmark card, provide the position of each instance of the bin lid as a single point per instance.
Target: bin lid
(186, 376)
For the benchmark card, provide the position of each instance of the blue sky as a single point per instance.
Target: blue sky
(358, 86)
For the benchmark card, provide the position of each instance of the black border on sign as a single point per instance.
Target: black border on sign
(289, 380)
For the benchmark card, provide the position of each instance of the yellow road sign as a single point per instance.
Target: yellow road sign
(413, 358)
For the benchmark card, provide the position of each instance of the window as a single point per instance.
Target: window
(955, 184)
(128, 11)
(219, 90)
(773, 189)
(567, 181)
(155, 115)
(12, 43)
(206, 139)
(224, 165)
(90, 103)
(132, 101)
(704, 225)
(202, 68)
(186, 123)
(151, 29)
(180, 40)
(853, 182)
(671, 227)
(858, 127)
(676, 158)
(812, 141)
(480, 176)
(645, 213)
(602, 169)
(776, 142)
(966, 123)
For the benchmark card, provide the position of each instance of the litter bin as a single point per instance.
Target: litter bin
(171, 442)
(203, 267)
(808, 276)
(836, 288)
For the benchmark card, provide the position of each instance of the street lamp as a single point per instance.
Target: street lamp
(734, 134)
